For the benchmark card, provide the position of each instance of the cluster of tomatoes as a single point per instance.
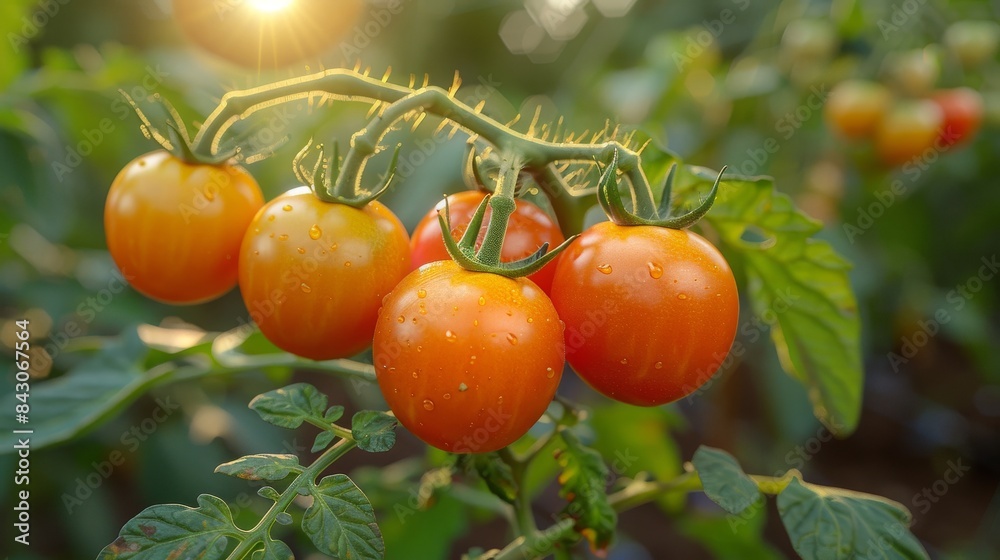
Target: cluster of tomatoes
(468, 361)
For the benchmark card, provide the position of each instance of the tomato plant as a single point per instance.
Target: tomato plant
(675, 280)
(529, 228)
(313, 273)
(174, 228)
(855, 108)
(908, 131)
(467, 361)
(962, 109)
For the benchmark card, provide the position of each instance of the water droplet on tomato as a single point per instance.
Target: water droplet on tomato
(400, 319)
(301, 250)
(333, 247)
(475, 322)
(282, 237)
(421, 293)
(655, 270)
(422, 310)
(500, 400)
(209, 195)
(512, 338)
(256, 230)
(446, 396)
(416, 375)
(305, 287)
(428, 404)
(624, 361)
(604, 268)
(450, 336)
(462, 387)
(658, 365)
(682, 296)
(287, 208)
(315, 232)
(530, 320)
(482, 300)
(271, 235)
(550, 373)
(347, 264)
(256, 252)
(270, 218)
(420, 348)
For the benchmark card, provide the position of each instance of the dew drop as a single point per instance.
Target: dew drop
(256, 230)
(482, 300)
(333, 247)
(209, 195)
(400, 319)
(624, 361)
(270, 218)
(287, 208)
(305, 288)
(315, 232)
(509, 313)
(450, 336)
(271, 235)
(550, 373)
(446, 396)
(422, 309)
(682, 296)
(655, 270)
(512, 338)
(414, 320)
(462, 387)
(604, 268)
(301, 250)
(347, 264)
(658, 365)
(500, 400)
(428, 404)
(420, 348)
(416, 374)
(282, 237)
(421, 293)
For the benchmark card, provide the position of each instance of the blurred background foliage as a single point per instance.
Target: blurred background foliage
(714, 81)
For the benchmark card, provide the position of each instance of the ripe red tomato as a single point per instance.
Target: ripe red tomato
(908, 131)
(468, 361)
(313, 273)
(247, 33)
(650, 312)
(855, 107)
(174, 228)
(529, 227)
(963, 113)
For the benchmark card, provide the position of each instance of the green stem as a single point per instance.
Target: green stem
(570, 207)
(502, 205)
(524, 517)
(308, 476)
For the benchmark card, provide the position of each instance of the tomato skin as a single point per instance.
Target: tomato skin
(313, 273)
(174, 228)
(855, 107)
(443, 329)
(650, 312)
(908, 131)
(963, 113)
(529, 227)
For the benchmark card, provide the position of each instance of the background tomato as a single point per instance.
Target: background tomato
(972, 42)
(855, 107)
(467, 361)
(174, 228)
(313, 273)
(247, 33)
(908, 131)
(529, 227)
(963, 113)
(650, 312)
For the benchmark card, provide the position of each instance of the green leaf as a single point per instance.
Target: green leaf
(583, 486)
(724, 481)
(341, 521)
(176, 531)
(273, 550)
(269, 493)
(374, 430)
(730, 536)
(289, 406)
(261, 467)
(799, 288)
(333, 413)
(827, 522)
(323, 440)
(494, 471)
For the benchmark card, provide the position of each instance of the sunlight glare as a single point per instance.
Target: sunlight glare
(270, 5)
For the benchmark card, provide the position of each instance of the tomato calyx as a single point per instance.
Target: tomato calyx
(610, 199)
(502, 205)
(322, 174)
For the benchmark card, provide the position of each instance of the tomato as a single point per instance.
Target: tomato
(855, 107)
(468, 361)
(650, 312)
(963, 113)
(529, 227)
(313, 273)
(809, 40)
(914, 72)
(908, 131)
(247, 33)
(174, 228)
(973, 42)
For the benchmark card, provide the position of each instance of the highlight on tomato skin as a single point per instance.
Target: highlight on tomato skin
(962, 109)
(174, 228)
(313, 274)
(529, 227)
(650, 312)
(467, 361)
(909, 130)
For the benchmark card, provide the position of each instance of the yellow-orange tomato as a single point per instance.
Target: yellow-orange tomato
(245, 32)
(855, 108)
(910, 130)
(468, 361)
(650, 312)
(313, 273)
(174, 228)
